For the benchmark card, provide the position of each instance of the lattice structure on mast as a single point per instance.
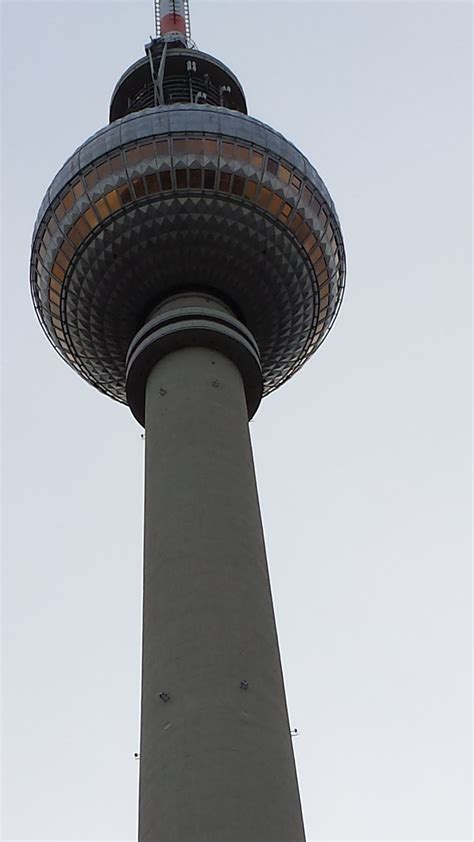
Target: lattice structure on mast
(187, 19)
(177, 10)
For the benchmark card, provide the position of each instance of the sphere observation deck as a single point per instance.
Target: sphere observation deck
(182, 195)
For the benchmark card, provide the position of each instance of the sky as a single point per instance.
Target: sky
(362, 458)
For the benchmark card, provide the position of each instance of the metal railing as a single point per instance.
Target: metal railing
(179, 89)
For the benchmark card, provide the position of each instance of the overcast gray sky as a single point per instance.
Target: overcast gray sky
(362, 458)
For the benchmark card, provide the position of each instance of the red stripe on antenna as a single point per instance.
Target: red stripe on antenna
(172, 23)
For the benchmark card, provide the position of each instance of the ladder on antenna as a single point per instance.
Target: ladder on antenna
(187, 18)
(157, 18)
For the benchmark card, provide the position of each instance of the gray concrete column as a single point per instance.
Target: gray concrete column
(216, 759)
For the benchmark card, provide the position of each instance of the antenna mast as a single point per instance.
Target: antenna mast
(172, 18)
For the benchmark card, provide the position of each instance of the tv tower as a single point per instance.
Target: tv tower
(187, 259)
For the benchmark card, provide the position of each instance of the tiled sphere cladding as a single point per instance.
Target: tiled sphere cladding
(184, 197)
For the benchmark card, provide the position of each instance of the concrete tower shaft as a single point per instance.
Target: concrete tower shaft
(216, 760)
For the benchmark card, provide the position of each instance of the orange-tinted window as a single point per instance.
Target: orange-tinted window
(55, 285)
(210, 146)
(152, 183)
(319, 265)
(286, 210)
(250, 189)
(90, 217)
(133, 155)
(83, 227)
(147, 150)
(68, 200)
(125, 196)
(78, 189)
(103, 170)
(296, 222)
(284, 174)
(272, 166)
(162, 147)
(102, 208)
(195, 146)
(62, 260)
(67, 249)
(264, 197)
(58, 272)
(53, 296)
(181, 178)
(113, 200)
(275, 205)
(180, 146)
(59, 211)
(139, 187)
(322, 218)
(309, 242)
(116, 163)
(238, 185)
(224, 182)
(296, 182)
(257, 159)
(195, 178)
(209, 179)
(91, 181)
(227, 149)
(242, 153)
(165, 178)
(75, 234)
(303, 232)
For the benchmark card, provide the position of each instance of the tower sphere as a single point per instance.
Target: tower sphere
(188, 194)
